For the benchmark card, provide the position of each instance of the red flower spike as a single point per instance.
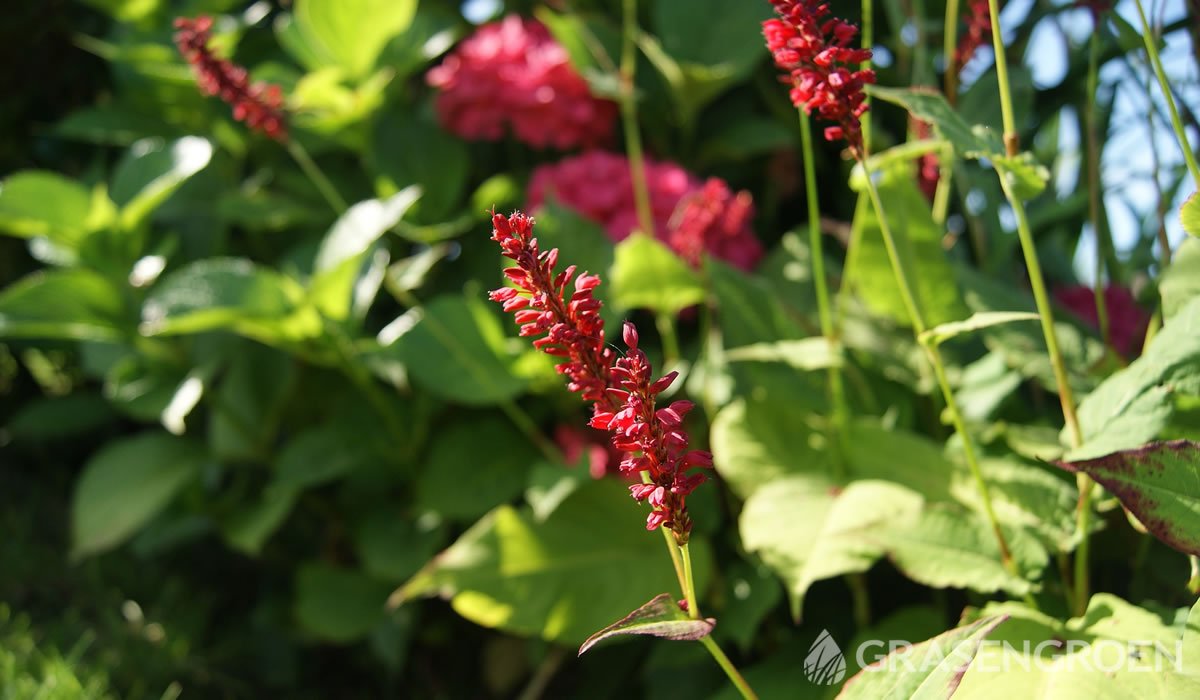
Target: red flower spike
(622, 389)
(978, 33)
(259, 105)
(815, 51)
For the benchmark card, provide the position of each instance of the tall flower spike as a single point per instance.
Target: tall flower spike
(978, 33)
(623, 390)
(822, 66)
(259, 105)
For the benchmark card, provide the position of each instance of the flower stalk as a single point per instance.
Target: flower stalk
(1168, 95)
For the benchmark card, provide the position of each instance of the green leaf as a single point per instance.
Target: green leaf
(833, 536)
(249, 527)
(229, 294)
(985, 319)
(409, 148)
(338, 605)
(755, 442)
(928, 670)
(391, 546)
(345, 248)
(1159, 483)
(807, 354)
(1027, 177)
(1189, 215)
(591, 561)
(151, 171)
(74, 304)
(126, 10)
(659, 617)
(246, 407)
(1180, 283)
(930, 106)
(947, 547)
(128, 482)
(1131, 407)
(38, 203)
(712, 33)
(457, 350)
(647, 275)
(316, 456)
(350, 34)
(919, 246)
(486, 452)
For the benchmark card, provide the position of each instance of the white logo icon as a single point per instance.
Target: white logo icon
(825, 664)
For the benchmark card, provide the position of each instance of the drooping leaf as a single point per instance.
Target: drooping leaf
(392, 546)
(1132, 406)
(127, 483)
(39, 203)
(75, 304)
(350, 34)
(232, 294)
(589, 562)
(248, 528)
(647, 275)
(316, 456)
(930, 106)
(946, 331)
(152, 171)
(345, 247)
(1159, 483)
(457, 350)
(806, 354)
(929, 670)
(659, 617)
(832, 537)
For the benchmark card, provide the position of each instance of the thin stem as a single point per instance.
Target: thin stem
(629, 120)
(1164, 243)
(862, 600)
(315, 174)
(837, 390)
(1093, 146)
(670, 341)
(730, 670)
(1011, 140)
(939, 368)
(544, 673)
(672, 548)
(1176, 122)
(1083, 523)
(868, 42)
(689, 585)
(949, 49)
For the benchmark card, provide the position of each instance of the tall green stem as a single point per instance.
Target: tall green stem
(939, 369)
(1011, 139)
(1103, 242)
(837, 391)
(950, 49)
(689, 592)
(317, 176)
(633, 137)
(1176, 122)
(868, 41)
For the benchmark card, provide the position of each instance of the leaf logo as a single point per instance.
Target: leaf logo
(825, 664)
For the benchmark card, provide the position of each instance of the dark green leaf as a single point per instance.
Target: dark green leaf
(338, 605)
(660, 617)
(409, 148)
(152, 171)
(488, 453)
(69, 304)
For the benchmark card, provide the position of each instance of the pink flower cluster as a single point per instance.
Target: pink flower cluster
(815, 51)
(1127, 321)
(567, 324)
(979, 32)
(689, 215)
(512, 75)
(259, 105)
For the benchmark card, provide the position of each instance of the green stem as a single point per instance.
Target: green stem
(315, 174)
(868, 42)
(939, 369)
(545, 672)
(1176, 122)
(629, 120)
(1083, 523)
(672, 548)
(949, 49)
(837, 390)
(689, 585)
(670, 341)
(1011, 140)
(1093, 148)
(722, 660)
(862, 600)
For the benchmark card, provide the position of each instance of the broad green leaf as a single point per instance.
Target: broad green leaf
(151, 171)
(941, 333)
(749, 309)
(457, 350)
(338, 605)
(1027, 177)
(929, 670)
(409, 148)
(930, 106)
(947, 547)
(751, 594)
(75, 304)
(647, 275)
(229, 294)
(51, 418)
(984, 385)
(351, 33)
(1116, 650)
(1131, 407)
(1189, 215)
(807, 354)
(344, 249)
(128, 482)
(247, 404)
(409, 274)
(919, 246)
(1159, 483)
(590, 562)
(833, 536)
(126, 10)
(249, 527)
(39, 203)
(317, 456)
(659, 617)
(266, 211)
(393, 546)
(1180, 283)
(486, 452)
(712, 32)
(1024, 496)
(433, 31)
(755, 442)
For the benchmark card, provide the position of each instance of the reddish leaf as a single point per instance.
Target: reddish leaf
(661, 617)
